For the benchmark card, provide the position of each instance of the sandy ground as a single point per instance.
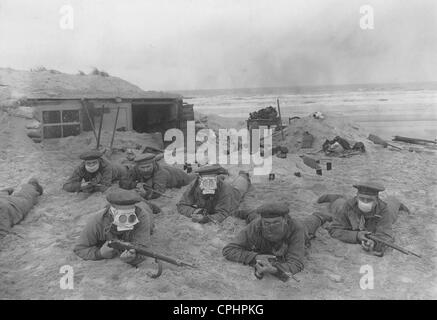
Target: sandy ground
(30, 263)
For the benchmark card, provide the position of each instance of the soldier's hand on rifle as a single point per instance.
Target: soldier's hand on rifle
(106, 252)
(199, 217)
(264, 266)
(140, 189)
(362, 236)
(366, 243)
(86, 185)
(128, 255)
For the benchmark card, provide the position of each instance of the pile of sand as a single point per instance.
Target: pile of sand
(329, 127)
(17, 85)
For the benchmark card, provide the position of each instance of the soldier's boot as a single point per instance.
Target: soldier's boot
(324, 217)
(9, 191)
(330, 197)
(34, 182)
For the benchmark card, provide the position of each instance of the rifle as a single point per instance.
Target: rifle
(204, 212)
(392, 245)
(282, 274)
(146, 187)
(122, 246)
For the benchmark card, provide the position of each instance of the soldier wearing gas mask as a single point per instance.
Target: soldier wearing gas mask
(94, 174)
(210, 197)
(125, 218)
(148, 176)
(365, 213)
(273, 235)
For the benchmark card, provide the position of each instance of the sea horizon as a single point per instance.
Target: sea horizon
(387, 109)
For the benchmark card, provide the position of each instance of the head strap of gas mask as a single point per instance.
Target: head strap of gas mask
(124, 217)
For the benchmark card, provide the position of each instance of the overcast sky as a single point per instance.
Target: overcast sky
(194, 44)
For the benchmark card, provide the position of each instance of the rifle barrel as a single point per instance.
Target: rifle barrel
(127, 246)
(157, 192)
(392, 245)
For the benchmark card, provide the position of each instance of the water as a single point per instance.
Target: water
(386, 110)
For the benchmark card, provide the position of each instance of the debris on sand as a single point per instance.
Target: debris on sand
(321, 129)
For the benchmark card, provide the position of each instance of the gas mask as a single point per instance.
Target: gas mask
(208, 184)
(365, 207)
(92, 166)
(125, 219)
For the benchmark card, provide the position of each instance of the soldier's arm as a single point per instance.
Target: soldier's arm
(106, 178)
(238, 249)
(74, 182)
(296, 251)
(384, 230)
(87, 247)
(159, 183)
(184, 205)
(340, 227)
(129, 180)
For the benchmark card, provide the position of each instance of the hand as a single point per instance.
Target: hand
(362, 236)
(128, 255)
(263, 266)
(198, 211)
(85, 185)
(140, 186)
(264, 257)
(368, 244)
(106, 252)
(199, 218)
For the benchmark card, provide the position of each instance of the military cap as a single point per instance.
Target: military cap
(144, 158)
(123, 197)
(91, 155)
(370, 188)
(273, 210)
(214, 169)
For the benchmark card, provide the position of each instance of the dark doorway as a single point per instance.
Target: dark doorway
(154, 118)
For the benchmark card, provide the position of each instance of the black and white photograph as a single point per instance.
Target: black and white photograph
(218, 150)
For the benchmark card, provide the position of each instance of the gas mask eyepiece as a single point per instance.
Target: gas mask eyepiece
(124, 218)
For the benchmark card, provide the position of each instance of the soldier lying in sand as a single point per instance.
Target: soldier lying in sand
(274, 234)
(209, 197)
(14, 206)
(94, 174)
(148, 176)
(126, 218)
(363, 214)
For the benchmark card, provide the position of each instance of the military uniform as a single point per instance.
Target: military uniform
(104, 176)
(290, 250)
(223, 203)
(15, 207)
(349, 219)
(162, 177)
(100, 228)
